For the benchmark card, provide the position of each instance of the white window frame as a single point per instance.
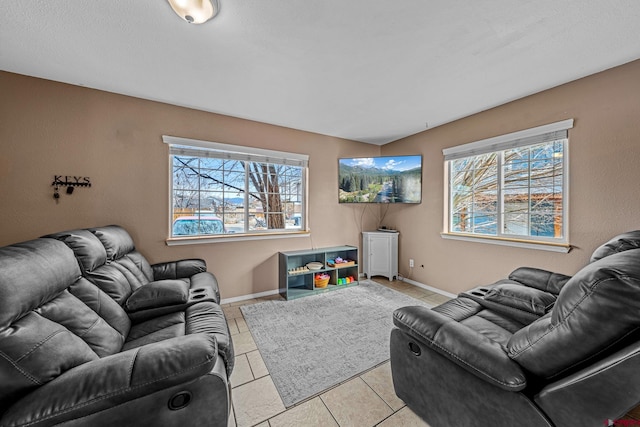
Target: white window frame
(200, 148)
(498, 144)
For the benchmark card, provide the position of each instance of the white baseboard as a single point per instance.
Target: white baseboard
(250, 296)
(430, 288)
(277, 291)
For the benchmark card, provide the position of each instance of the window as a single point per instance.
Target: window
(511, 187)
(222, 190)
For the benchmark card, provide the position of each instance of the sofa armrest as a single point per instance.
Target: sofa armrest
(463, 346)
(162, 297)
(540, 279)
(519, 297)
(116, 379)
(160, 293)
(181, 269)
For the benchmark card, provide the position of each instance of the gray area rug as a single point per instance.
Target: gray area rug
(313, 343)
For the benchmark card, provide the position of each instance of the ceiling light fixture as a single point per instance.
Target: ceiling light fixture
(195, 11)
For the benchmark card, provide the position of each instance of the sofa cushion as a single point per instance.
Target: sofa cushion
(595, 311)
(141, 264)
(178, 269)
(132, 272)
(87, 248)
(205, 317)
(32, 273)
(466, 311)
(118, 279)
(103, 305)
(108, 258)
(35, 350)
(115, 239)
(79, 319)
(522, 298)
(500, 299)
(112, 282)
(620, 243)
(543, 280)
(155, 330)
(488, 327)
(158, 294)
(459, 309)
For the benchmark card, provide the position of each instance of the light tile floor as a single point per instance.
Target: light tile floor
(364, 401)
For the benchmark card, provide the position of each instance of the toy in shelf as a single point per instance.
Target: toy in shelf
(299, 270)
(339, 262)
(346, 280)
(321, 280)
(314, 265)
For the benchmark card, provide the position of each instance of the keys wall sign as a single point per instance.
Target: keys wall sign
(70, 182)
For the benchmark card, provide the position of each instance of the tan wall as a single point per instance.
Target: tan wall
(49, 128)
(604, 148)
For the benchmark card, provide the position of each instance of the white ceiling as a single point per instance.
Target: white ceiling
(368, 70)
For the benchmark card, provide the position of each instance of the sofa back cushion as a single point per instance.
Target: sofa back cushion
(32, 273)
(118, 279)
(620, 243)
(108, 258)
(539, 279)
(115, 239)
(123, 257)
(87, 248)
(597, 310)
(105, 306)
(34, 349)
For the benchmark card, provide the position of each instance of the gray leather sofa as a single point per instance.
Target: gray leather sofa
(536, 349)
(92, 334)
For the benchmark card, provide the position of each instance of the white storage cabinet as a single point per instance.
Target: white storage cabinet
(380, 254)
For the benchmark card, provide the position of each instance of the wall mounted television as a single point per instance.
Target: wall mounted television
(384, 179)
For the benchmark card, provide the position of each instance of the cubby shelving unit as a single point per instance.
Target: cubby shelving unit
(295, 283)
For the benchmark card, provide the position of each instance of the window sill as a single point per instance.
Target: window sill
(179, 241)
(518, 243)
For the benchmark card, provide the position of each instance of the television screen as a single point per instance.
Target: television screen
(388, 179)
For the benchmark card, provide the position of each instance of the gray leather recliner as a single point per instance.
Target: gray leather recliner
(536, 349)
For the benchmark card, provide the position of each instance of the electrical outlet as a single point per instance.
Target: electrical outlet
(411, 263)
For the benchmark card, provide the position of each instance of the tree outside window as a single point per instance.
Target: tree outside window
(518, 192)
(242, 196)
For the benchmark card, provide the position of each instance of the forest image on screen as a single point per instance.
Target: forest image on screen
(389, 179)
